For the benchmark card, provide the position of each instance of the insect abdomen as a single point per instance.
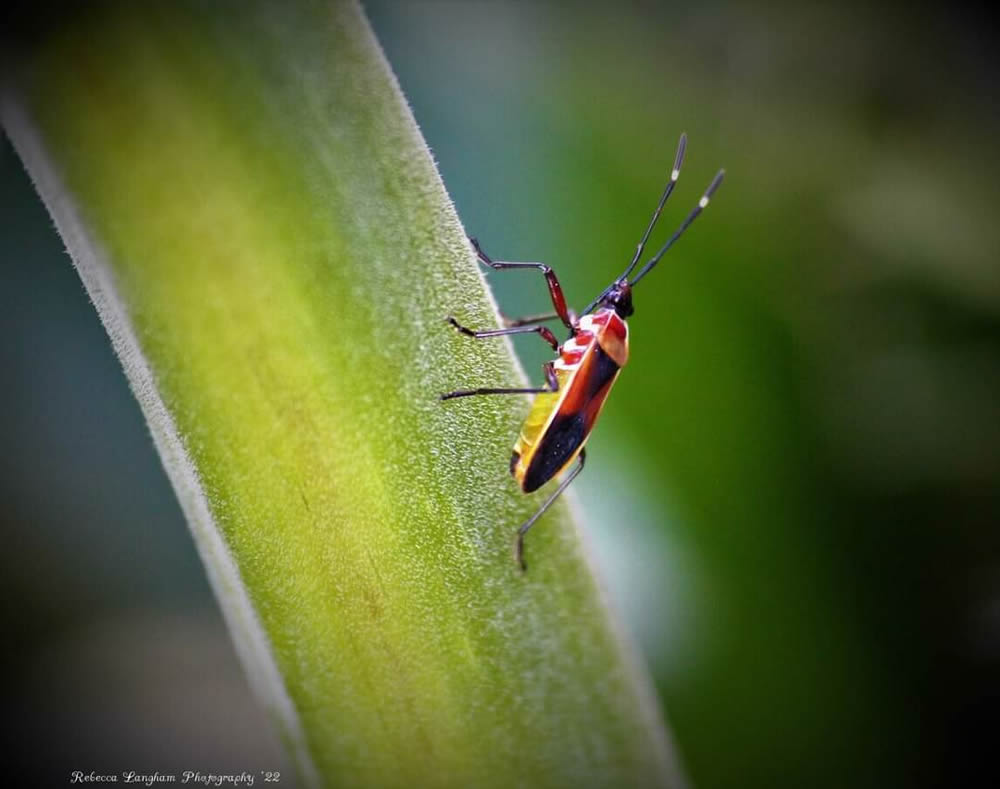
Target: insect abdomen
(559, 422)
(573, 421)
(542, 409)
(561, 442)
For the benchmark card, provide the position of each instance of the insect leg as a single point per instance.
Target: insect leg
(542, 332)
(552, 385)
(555, 289)
(545, 316)
(519, 541)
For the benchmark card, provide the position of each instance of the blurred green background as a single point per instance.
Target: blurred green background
(794, 491)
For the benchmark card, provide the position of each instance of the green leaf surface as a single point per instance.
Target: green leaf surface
(261, 227)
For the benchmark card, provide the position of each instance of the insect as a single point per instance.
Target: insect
(577, 382)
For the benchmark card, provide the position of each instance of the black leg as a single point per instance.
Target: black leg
(555, 289)
(529, 319)
(542, 332)
(552, 385)
(519, 541)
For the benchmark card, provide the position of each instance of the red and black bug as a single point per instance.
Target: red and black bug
(578, 381)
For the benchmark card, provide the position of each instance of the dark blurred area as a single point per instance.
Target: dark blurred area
(794, 490)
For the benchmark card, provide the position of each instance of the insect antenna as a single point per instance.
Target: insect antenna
(674, 175)
(684, 226)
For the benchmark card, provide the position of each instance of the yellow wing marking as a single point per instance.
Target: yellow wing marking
(543, 409)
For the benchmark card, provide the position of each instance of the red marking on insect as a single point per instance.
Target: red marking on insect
(570, 357)
(589, 362)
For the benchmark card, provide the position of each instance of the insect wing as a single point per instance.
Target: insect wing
(574, 418)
